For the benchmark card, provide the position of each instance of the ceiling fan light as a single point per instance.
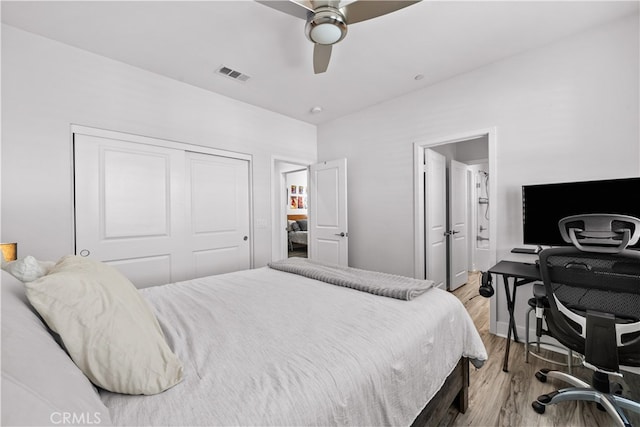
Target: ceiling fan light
(326, 26)
(325, 34)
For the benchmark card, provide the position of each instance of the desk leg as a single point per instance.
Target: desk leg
(510, 294)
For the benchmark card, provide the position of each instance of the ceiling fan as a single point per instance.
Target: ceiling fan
(327, 21)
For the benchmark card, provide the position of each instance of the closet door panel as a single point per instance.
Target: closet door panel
(146, 271)
(218, 211)
(128, 208)
(136, 197)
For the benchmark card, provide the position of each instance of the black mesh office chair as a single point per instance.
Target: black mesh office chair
(537, 305)
(593, 291)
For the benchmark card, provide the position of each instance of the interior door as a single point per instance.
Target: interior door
(217, 207)
(458, 241)
(328, 232)
(128, 207)
(435, 217)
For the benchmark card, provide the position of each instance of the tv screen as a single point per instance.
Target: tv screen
(544, 205)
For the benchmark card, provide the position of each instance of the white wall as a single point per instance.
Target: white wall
(567, 111)
(47, 86)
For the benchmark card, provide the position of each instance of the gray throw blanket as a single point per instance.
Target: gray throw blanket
(383, 284)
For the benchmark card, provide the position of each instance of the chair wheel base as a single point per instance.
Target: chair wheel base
(546, 398)
(538, 407)
(541, 376)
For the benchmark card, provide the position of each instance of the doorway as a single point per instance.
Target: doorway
(450, 208)
(324, 198)
(297, 185)
(287, 174)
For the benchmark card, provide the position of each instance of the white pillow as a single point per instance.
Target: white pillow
(106, 326)
(28, 268)
(40, 382)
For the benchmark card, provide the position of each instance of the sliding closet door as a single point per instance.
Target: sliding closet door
(128, 208)
(160, 214)
(218, 213)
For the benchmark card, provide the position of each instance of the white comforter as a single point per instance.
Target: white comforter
(265, 347)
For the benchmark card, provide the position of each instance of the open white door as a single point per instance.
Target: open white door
(458, 242)
(328, 234)
(435, 217)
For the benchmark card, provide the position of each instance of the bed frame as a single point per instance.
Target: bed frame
(455, 390)
(294, 217)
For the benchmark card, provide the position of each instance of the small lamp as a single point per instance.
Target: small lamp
(9, 251)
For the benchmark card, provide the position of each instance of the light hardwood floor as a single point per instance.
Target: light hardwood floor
(500, 398)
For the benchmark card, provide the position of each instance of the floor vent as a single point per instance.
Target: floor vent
(232, 74)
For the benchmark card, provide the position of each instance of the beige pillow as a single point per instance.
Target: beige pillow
(108, 329)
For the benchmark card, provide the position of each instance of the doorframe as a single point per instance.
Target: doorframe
(166, 143)
(278, 209)
(419, 200)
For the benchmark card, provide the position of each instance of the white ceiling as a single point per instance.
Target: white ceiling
(377, 60)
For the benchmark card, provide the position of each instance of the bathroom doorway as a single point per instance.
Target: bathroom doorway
(441, 228)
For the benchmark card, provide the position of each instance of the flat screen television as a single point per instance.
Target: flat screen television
(543, 205)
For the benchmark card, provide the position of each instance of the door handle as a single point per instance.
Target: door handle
(341, 234)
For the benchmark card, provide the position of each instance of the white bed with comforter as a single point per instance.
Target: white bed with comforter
(266, 347)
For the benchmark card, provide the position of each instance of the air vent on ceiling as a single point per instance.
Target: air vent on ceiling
(232, 74)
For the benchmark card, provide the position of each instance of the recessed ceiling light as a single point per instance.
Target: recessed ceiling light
(317, 109)
(419, 77)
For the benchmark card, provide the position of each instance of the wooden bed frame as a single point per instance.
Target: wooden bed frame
(455, 390)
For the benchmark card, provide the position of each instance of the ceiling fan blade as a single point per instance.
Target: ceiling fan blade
(321, 56)
(300, 9)
(362, 10)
